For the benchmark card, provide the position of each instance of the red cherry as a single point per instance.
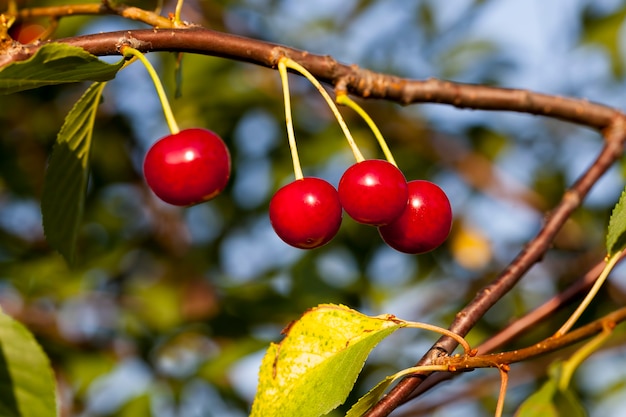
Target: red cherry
(306, 213)
(189, 167)
(373, 192)
(26, 32)
(425, 222)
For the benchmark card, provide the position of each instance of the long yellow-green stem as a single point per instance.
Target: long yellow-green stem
(570, 365)
(297, 169)
(333, 107)
(179, 8)
(343, 98)
(612, 261)
(504, 382)
(425, 326)
(128, 51)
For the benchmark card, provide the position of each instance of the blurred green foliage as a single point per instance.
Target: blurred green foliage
(168, 310)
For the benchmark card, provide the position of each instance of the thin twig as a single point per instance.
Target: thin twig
(504, 382)
(551, 344)
(521, 325)
(103, 8)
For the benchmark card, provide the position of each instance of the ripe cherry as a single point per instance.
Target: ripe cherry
(306, 213)
(373, 192)
(26, 32)
(188, 167)
(425, 222)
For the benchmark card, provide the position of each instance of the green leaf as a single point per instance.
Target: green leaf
(568, 404)
(540, 404)
(65, 184)
(55, 63)
(27, 384)
(550, 401)
(313, 369)
(368, 400)
(616, 234)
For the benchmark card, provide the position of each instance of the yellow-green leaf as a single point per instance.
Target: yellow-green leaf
(616, 234)
(27, 384)
(313, 369)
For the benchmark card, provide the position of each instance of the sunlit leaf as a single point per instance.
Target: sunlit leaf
(313, 369)
(65, 184)
(27, 384)
(616, 234)
(55, 63)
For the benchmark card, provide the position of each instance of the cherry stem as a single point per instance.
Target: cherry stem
(344, 99)
(425, 326)
(504, 381)
(297, 169)
(128, 52)
(289, 63)
(611, 262)
(179, 8)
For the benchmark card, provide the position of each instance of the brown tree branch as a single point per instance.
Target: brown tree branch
(103, 8)
(551, 344)
(523, 324)
(615, 137)
(544, 311)
(548, 348)
(357, 81)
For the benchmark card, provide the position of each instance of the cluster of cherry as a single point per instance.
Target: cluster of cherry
(192, 166)
(413, 217)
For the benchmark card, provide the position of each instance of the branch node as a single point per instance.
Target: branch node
(132, 42)
(276, 54)
(341, 86)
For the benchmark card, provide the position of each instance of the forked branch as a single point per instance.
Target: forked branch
(615, 137)
(357, 81)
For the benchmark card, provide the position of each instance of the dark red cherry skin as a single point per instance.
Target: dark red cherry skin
(425, 223)
(187, 168)
(373, 192)
(306, 213)
(26, 32)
